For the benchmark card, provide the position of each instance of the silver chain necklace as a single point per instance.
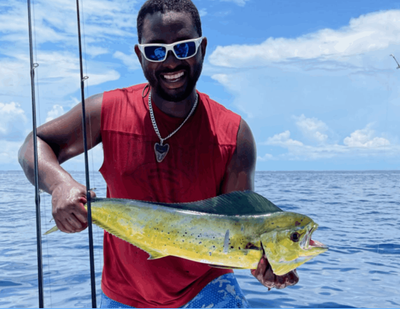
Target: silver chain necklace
(160, 149)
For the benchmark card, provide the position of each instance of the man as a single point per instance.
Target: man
(162, 142)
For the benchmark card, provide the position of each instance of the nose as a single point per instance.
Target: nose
(171, 61)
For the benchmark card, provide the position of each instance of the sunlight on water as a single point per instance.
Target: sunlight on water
(357, 213)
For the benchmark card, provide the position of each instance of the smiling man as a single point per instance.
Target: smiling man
(165, 142)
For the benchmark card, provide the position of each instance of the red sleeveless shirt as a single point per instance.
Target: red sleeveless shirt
(193, 170)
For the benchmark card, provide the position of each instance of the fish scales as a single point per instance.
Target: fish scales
(210, 231)
(193, 235)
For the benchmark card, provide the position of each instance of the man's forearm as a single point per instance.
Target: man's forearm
(50, 171)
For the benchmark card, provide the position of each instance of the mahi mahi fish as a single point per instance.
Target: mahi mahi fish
(233, 230)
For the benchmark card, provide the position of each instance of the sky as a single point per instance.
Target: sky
(313, 79)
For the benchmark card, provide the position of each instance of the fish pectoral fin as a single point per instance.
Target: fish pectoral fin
(53, 229)
(154, 255)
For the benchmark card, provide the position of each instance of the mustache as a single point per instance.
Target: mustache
(178, 68)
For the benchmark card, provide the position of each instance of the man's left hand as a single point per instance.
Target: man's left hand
(264, 274)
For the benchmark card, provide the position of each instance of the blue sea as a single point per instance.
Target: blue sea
(358, 215)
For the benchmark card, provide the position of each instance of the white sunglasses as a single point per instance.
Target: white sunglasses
(182, 50)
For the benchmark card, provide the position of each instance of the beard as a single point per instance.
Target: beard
(178, 95)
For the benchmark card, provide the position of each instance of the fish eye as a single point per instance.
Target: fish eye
(295, 237)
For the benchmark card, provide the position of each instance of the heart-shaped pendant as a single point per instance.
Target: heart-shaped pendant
(161, 151)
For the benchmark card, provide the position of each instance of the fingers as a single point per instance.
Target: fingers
(92, 194)
(83, 198)
(70, 223)
(265, 275)
(261, 269)
(293, 277)
(269, 277)
(75, 218)
(81, 213)
(259, 272)
(281, 282)
(68, 208)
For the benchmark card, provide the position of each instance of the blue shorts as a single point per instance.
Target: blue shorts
(222, 292)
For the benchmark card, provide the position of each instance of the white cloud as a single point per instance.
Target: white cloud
(55, 44)
(55, 112)
(95, 50)
(54, 26)
(240, 86)
(266, 157)
(12, 75)
(55, 21)
(102, 76)
(307, 152)
(13, 120)
(360, 143)
(131, 61)
(221, 78)
(238, 2)
(73, 101)
(57, 74)
(9, 152)
(367, 33)
(312, 128)
(283, 140)
(203, 12)
(364, 138)
(105, 24)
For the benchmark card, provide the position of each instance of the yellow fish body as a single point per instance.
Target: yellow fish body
(232, 230)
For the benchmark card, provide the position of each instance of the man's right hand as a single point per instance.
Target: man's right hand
(58, 141)
(68, 200)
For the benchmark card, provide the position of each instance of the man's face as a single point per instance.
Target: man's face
(173, 79)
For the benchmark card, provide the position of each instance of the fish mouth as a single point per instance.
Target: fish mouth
(309, 244)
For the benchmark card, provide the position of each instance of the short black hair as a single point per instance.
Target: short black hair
(154, 6)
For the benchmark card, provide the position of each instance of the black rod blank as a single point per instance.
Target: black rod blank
(88, 197)
(36, 170)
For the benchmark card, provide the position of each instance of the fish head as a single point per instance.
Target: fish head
(287, 241)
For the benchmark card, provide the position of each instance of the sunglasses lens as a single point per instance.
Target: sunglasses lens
(156, 53)
(185, 50)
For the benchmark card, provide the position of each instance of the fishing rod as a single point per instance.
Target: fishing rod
(33, 66)
(88, 196)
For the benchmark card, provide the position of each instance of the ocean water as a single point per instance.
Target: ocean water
(358, 215)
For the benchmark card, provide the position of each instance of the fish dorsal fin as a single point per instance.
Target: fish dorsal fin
(230, 204)
(238, 203)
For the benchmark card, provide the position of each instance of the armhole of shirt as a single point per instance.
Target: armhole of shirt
(104, 119)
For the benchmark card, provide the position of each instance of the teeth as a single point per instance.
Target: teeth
(174, 76)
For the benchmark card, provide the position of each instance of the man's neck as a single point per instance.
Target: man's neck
(174, 109)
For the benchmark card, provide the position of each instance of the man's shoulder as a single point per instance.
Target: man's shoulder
(123, 96)
(130, 89)
(121, 100)
(215, 107)
(223, 122)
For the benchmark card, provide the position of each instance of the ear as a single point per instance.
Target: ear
(203, 47)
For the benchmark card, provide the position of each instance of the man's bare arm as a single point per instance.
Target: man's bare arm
(239, 177)
(58, 141)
